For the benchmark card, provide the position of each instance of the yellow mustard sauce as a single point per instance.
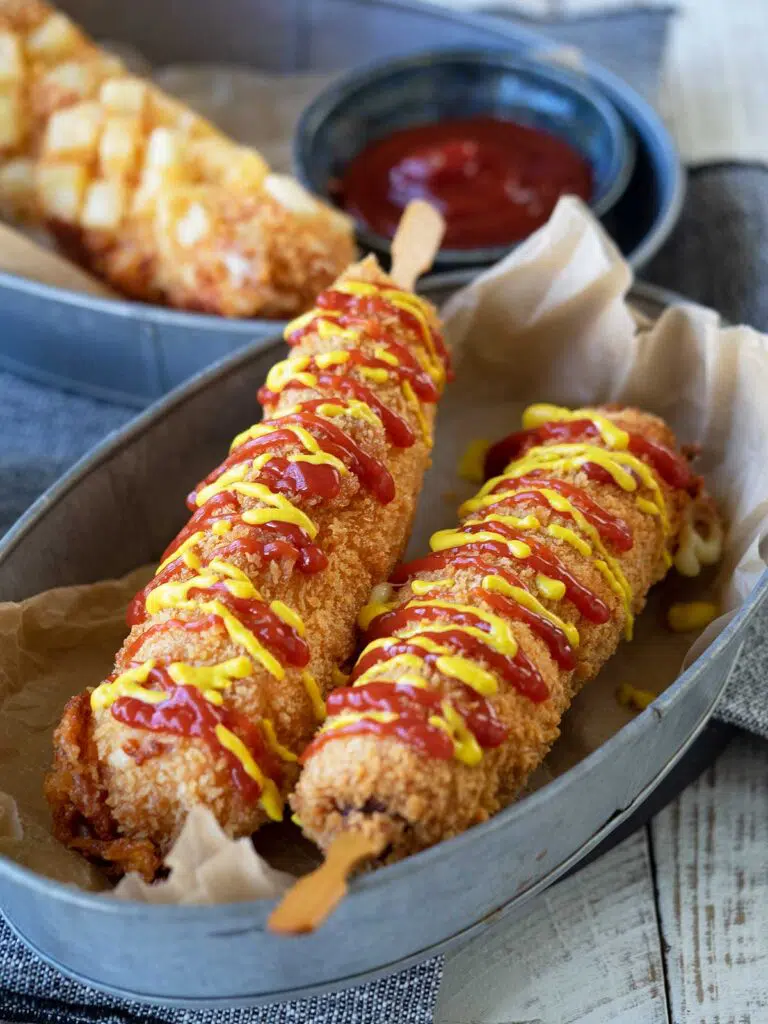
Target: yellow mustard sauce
(626, 470)
(213, 680)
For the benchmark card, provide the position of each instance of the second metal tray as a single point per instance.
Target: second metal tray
(131, 353)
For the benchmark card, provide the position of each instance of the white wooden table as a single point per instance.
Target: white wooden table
(670, 926)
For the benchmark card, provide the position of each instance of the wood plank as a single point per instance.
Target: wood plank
(711, 852)
(587, 950)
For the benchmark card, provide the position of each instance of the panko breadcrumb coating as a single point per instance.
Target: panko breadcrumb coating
(219, 685)
(144, 192)
(476, 651)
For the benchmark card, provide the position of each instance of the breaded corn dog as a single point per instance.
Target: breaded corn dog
(142, 190)
(220, 684)
(475, 652)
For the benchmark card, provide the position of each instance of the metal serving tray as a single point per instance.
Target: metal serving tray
(133, 353)
(115, 510)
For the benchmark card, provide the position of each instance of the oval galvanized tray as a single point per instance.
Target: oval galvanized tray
(85, 529)
(132, 353)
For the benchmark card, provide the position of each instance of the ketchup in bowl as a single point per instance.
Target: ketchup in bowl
(494, 181)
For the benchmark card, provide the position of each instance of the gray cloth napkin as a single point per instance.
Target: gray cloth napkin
(717, 255)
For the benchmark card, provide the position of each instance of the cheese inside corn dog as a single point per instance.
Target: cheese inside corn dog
(142, 190)
(474, 652)
(234, 643)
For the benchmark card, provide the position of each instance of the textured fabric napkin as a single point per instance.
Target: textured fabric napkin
(718, 255)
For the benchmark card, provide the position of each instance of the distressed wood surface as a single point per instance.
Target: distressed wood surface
(671, 926)
(711, 852)
(587, 950)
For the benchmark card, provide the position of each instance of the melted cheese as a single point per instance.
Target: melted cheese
(697, 549)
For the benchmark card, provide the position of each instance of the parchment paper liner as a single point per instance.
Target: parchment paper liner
(549, 323)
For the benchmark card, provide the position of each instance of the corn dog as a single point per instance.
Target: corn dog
(143, 191)
(474, 652)
(234, 643)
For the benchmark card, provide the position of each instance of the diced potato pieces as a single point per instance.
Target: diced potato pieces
(74, 131)
(119, 144)
(10, 116)
(153, 181)
(104, 206)
(248, 171)
(193, 226)
(219, 160)
(11, 57)
(73, 77)
(124, 95)
(60, 189)
(56, 37)
(290, 194)
(164, 148)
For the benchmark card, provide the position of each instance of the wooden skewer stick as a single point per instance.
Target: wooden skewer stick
(416, 242)
(307, 904)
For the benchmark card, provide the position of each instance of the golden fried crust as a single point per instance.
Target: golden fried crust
(390, 791)
(145, 783)
(75, 792)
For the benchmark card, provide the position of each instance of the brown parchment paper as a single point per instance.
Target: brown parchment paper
(550, 323)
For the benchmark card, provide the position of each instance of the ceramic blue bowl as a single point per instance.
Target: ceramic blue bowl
(371, 103)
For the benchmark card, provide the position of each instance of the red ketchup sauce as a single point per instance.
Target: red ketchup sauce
(527, 680)
(372, 473)
(413, 707)
(370, 311)
(269, 541)
(611, 528)
(257, 617)
(398, 431)
(671, 467)
(187, 713)
(494, 181)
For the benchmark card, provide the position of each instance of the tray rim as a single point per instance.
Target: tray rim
(446, 945)
(125, 436)
(618, 92)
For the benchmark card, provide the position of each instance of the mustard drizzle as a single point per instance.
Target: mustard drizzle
(212, 681)
(581, 535)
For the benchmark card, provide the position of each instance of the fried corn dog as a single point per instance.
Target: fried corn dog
(475, 651)
(220, 683)
(143, 191)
